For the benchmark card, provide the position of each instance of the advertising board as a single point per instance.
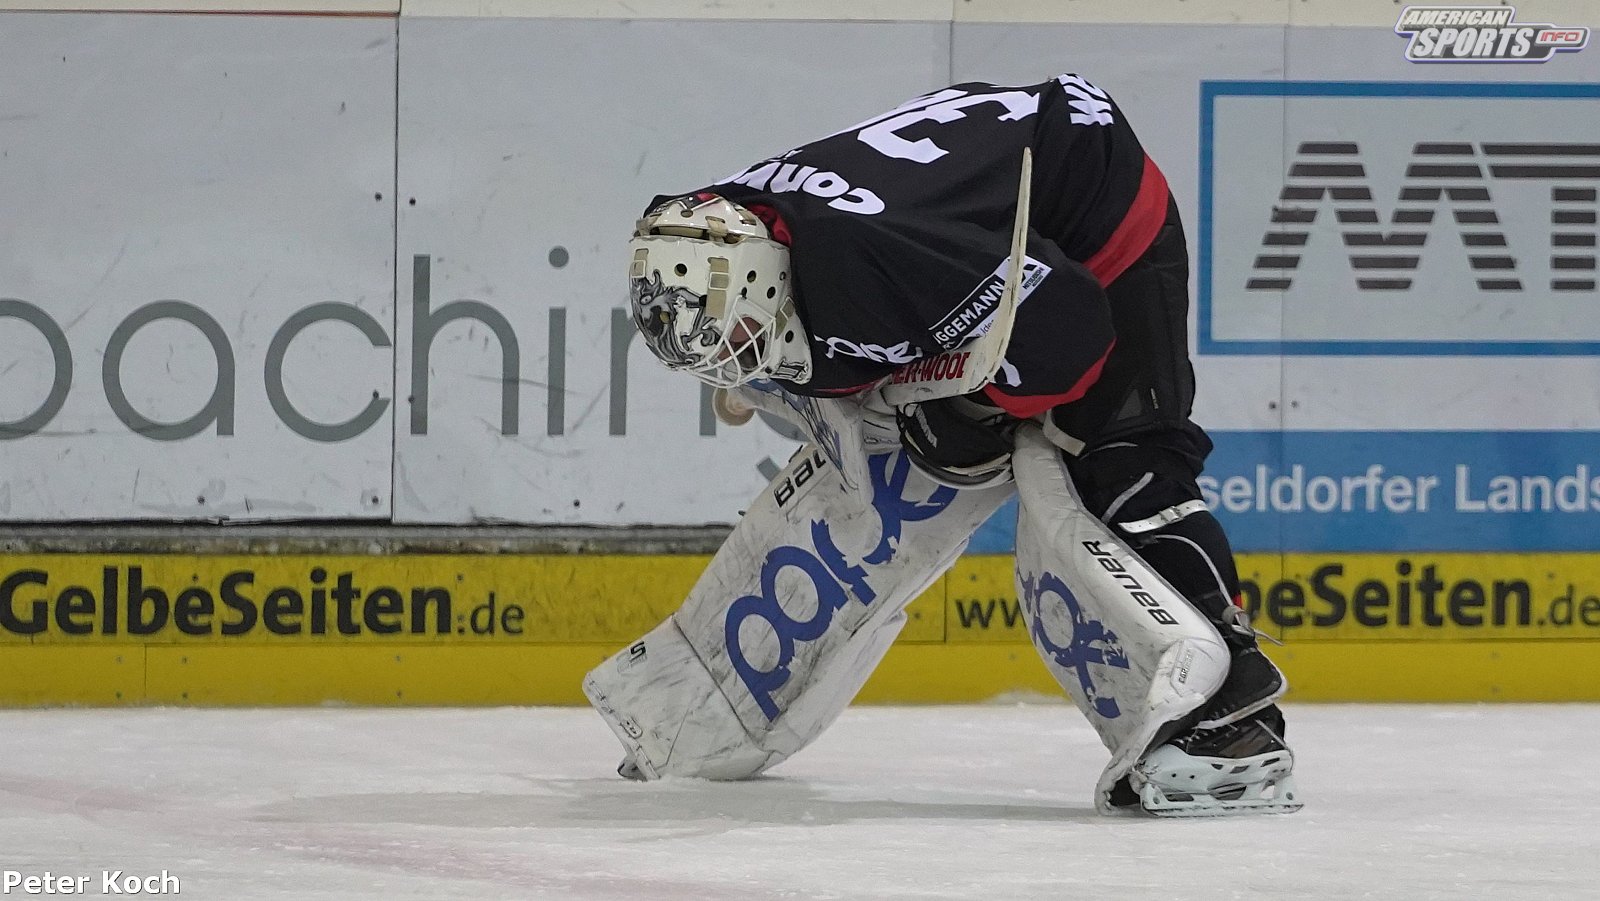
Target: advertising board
(196, 287)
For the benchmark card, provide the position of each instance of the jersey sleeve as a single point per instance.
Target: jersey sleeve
(1061, 336)
(879, 294)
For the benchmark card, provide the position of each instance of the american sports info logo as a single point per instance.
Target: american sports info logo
(1482, 34)
(1409, 218)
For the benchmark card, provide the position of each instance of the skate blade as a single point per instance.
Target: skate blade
(1278, 796)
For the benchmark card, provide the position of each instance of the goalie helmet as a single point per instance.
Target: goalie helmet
(711, 293)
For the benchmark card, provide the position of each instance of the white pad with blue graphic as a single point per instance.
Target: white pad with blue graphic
(795, 610)
(1129, 650)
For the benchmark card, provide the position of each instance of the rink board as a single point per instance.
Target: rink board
(344, 275)
(518, 629)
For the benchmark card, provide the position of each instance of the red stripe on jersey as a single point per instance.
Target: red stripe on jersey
(1138, 228)
(773, 221)
(842, 392)
(1029, 406)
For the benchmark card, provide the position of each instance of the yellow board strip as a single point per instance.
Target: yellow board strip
(187, 599)
(102, 629)
(1424, 597)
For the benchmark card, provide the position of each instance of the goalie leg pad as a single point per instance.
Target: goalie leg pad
(666, 709)
(1129, 650)
(1145, 489)
(788, 620)
(809, 571)
(687, 727)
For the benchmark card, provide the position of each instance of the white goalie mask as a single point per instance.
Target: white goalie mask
(712, 294)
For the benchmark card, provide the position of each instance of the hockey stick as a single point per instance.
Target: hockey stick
(974, 364)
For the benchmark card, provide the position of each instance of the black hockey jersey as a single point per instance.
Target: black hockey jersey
(899, 230)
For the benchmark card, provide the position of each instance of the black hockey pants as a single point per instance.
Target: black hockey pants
(1142, 453)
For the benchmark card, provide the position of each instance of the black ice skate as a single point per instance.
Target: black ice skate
(1254, 682)
(1240, 767)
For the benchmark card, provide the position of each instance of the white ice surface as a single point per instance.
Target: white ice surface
(989, 802)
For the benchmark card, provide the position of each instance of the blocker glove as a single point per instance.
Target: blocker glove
(962, 442)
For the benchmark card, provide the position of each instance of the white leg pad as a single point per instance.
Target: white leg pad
(790, 618)
(684, 726)
(1127, 648)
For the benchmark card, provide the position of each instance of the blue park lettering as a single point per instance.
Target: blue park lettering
(831, 572)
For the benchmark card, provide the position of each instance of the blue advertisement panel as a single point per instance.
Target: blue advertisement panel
(1377, 491)
(1425, 491)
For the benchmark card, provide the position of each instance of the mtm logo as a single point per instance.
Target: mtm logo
(1453, 179)
(1403, 218)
